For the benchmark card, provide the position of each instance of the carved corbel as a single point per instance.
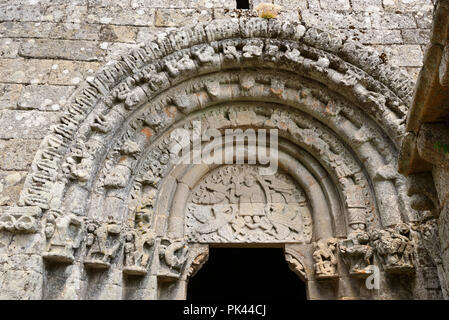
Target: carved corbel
(64, 235)
(295, 263)
(198, 256)
(325, 259)
(102, 244)
(19, 219)
(357, 254)
(138, 251)
(173, 256)
(118, 177)
(395, 248)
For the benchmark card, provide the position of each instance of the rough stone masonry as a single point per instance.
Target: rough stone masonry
(92, 205)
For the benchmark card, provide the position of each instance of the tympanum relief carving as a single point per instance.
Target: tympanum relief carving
(237, 204)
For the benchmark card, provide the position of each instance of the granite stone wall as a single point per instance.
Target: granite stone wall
(49, 47)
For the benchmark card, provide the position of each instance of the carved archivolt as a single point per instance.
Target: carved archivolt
(107, 177)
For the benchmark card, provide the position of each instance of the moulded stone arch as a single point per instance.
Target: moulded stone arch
(109, 154)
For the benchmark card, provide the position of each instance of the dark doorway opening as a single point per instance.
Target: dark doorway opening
(246, 274)
(242, 4)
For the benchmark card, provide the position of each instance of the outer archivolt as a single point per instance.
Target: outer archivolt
(338, 104)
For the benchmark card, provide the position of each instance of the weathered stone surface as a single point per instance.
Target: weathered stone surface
(336, 20)
(44, 97)
(61, 49)
(71, 72)
(403, 55)
(292, 4)
(119, 163)
(17, 154)
(373, 36)
(367, 5)
(24, 71)
(393, 21)
(11, 182)
(23, 124)
(9, 94)
(407, 5)
(176, 18)
(416, 36)
(335, 5)
(9, 48)
(117, 15)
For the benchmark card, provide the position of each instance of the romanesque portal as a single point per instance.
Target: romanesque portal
(108, 213)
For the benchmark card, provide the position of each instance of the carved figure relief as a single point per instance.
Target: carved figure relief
(138, 245)
(173, 255)
(64, 235)
(357, 254)
(295, 263)
(140, 239)
(102, 244)
(394, 248)
(236, 204)
(325, 259)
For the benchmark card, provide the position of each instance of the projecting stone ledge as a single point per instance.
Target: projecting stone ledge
(19, 219)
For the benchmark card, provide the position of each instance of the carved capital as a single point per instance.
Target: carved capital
(357, 254)
(64, 235)
(325, 258)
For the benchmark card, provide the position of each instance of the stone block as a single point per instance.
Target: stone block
(71, 72)
(62, 49)
(24, 71)
(331, 21)
(117, 15)
(392, 21)
(147, 34)
(114, 33)
(367, 5)
(373, 36)
(17, 154)
(26, 124)
(292, 4)
(424, 20)
(44, 97)
(74, 31)
(9, 94)
(416, 36)
(66, 13)
(335, 4)
(402, 55)
(9, 48)
(11, 183)
(21, 29)
(22, 12)
(176, 18)
(407, 5)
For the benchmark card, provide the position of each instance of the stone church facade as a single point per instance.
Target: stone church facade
(95, 202)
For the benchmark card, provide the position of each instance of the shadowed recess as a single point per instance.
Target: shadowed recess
(246, 274)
